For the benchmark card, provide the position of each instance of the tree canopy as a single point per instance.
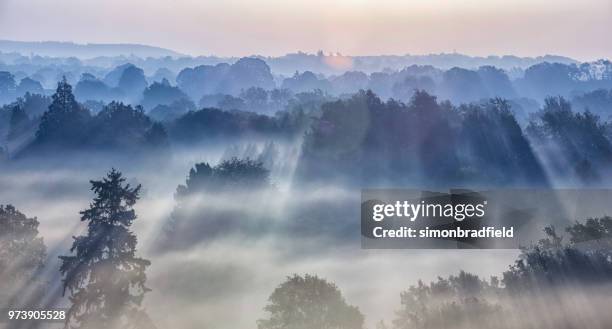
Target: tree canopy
(309, 302)
(104, 277)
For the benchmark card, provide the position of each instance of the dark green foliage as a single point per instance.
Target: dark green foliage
(66, 123)
(104, 277)
(34, 104)
(22, 255)
(366, 139)
(586, 260)
(162, 93)
(494, 146)
(29, 86)
(209, 125)
(119, 126)
(575, 143)
(19, 122)
(168, 113)
(156, 137)
(233, 174)
(303, 302)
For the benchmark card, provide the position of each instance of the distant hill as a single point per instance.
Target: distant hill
(332, 64)
(83, 51)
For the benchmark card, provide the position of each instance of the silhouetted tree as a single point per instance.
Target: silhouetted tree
(66, 122)
(7, 87)
(28, 85)
(454, 302)
(156, 136)
(585, 260)
(119, 126)
(197, 215)
(162, 93)
(573, 143)
(255, 98)
(89, 88)
(104, 277)
(22, 255)
(304, 302)
(34, 104)
(19, 122)
(229, 174)
(132, 83)
(494, 146)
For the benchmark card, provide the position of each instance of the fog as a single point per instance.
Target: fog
(224, 280)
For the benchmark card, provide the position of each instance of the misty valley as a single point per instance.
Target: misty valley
(186, 192)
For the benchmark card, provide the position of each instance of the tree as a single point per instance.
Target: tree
(119, 126)
(7, 87)
(132, 82)
(574, 144)
(230, 175)
(255, 98)
(22, 255)
(27, 85)
(105, 279)
(455, 302)
(156, 137)
(19, 122)
(65, 123)
(585, 260)
(308, 302)
(198, 215)
(34, 104)
(162, 93)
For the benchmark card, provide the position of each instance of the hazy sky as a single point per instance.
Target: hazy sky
(580, 29)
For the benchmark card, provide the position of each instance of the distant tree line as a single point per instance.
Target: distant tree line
(356, 139)
(364, 139)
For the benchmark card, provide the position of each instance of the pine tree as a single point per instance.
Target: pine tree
(105, 279)
(65, 123)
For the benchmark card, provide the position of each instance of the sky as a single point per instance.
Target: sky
(579, 29)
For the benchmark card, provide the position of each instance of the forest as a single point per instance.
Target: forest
(183, 192)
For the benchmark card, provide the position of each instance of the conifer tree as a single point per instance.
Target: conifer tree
(65, 123)
(104, 277)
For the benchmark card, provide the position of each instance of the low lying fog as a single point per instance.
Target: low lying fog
(223, 281)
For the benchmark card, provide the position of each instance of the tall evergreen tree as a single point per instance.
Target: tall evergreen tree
(105, 278)
(65, 123)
